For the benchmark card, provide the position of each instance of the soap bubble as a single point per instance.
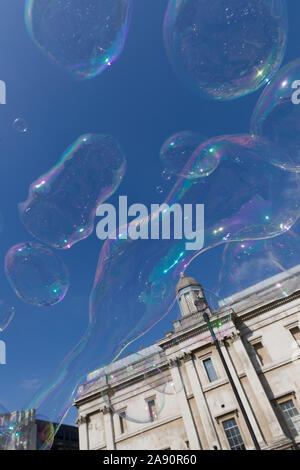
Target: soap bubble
(176, 152)
(61, 206)
(20, 125)
(83, 37)
(17, 430)
(166, 175)
(7, 312)
(250, 263)
(36, 274)
(45, 433)
(159, 189)
(225, 50)
(134, 286)
(277, 115)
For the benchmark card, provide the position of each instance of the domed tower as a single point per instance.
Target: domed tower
(188, 290)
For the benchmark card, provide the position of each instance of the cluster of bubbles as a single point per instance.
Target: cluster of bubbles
(225, 50)
(85, 38)
(248, 183)
(60, 211)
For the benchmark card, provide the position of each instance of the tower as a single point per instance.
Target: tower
(188, 290)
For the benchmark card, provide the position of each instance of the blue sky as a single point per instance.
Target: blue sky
(140, 102)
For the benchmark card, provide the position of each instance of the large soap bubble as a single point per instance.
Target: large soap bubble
(85, 37)
(250, 263)
(134, 286)
(277, 116)
(61, 205)
(176, 152)
(225, 49)
(36, 274)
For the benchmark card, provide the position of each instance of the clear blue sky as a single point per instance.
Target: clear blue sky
(140, 102)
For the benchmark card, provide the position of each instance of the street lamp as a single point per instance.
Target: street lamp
(199, 303)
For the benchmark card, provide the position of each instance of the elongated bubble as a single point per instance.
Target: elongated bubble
(277, 116)
(136, 275)
(36, 274)
(85, 37)
(225, 49)
(61, 206)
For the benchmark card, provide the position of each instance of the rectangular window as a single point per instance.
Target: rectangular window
(291, 415)
(210, 370)
(295, 332)
(233, 434)
(260, 352)
(152, 410)
(122, 417)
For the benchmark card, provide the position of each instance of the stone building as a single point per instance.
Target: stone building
(176, 394)
(24, 430)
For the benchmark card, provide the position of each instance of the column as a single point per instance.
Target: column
(258, 389)
(83, 430)
(109, 429)
(204, 412)
(242, 395)
(186, 413)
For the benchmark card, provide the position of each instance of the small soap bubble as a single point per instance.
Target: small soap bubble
(176, 153)
(20, 125)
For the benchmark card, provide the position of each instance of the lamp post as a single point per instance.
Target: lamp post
(199, 303)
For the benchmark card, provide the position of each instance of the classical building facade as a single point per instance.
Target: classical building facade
(176, 393)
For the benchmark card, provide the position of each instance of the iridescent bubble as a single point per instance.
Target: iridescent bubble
(61, 206)
(20, 125)
(277, 116)
(225, 50)
(176, 152)
(45, 433)
(275, 261)
(36, 274)
(134, 286)
(7, 312)
(159, 189)
(83, 37)
(126, 369)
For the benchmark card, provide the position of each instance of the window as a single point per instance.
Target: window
(210, 370)
(152, 410)
(190, 302)
(122, 417)
(295, 332)
(261, 353)
(233, 434)
(291, 415)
